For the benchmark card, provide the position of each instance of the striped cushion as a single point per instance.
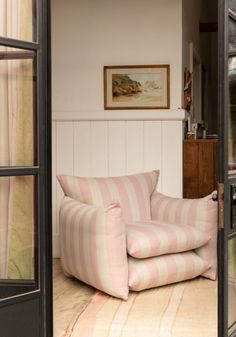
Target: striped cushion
(166, 269)
(198, 213)
(93, 247)
(132, 192)
(153, 238)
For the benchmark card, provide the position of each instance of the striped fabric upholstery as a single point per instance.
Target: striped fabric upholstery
(160, 270)
(154, 238)
(132, 192)
(93, 246)
(198, 213)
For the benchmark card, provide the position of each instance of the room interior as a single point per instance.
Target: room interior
(179, 139)
(91, 141)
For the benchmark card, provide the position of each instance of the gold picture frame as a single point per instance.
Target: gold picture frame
(137, 87)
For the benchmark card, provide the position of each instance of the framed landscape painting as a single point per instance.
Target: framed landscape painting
(137, 87)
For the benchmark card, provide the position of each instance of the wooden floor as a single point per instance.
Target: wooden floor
(70, 297)
(195, 309)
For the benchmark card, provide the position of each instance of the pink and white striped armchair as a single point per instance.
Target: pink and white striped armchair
(119, 234)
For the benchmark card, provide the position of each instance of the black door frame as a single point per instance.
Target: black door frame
(40, 298)
(225, 231)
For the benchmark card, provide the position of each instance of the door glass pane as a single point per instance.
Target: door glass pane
(232, 97)
(232, 5)
(232, 36)
(17, 19)
(17, 107)
(231, 282)
(18, 234)
(232, 113)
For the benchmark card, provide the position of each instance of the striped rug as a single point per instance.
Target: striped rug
(183, 309)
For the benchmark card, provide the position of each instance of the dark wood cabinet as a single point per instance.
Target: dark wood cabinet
(200, 167)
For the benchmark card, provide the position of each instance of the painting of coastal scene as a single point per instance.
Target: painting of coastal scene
(139, 87)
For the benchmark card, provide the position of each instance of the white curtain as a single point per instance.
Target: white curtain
(12, 134)
(6, 113)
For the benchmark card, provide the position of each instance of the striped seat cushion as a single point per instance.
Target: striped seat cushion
(93, 246)
(166, 269)
(198, 213)
(133, 192)
(153, 238)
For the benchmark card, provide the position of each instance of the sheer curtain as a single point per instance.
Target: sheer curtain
(16, 145)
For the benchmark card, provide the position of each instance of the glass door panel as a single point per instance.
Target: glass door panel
(25, 169)
(18, 19)
(232, 4)
(18, 234)
(231, 282)
(232, 36)
(17, 107)
(232, 97)
(230, 225)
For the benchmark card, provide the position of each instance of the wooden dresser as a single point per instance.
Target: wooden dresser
(200, 167)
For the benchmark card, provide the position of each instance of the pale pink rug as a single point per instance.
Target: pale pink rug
(184, 309)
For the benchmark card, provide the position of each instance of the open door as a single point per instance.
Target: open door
(25, 169)
(227, 180)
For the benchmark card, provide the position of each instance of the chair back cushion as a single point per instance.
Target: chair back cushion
(198, 213)
(165, 269)
(93, 246)
(154, 238)
(133, 192)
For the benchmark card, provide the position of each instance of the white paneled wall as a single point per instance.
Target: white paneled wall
(116, 147)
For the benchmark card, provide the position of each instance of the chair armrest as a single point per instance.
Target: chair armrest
(184, 211)
(199, 213)
(93, 245)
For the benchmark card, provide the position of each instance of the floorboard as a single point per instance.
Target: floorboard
(184, 309)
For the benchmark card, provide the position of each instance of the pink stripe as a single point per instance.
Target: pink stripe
(211, 215)
(68, 249)
(65, 212)
(84, 228)
(193, 266)
(154, 242)
(105, 191)
(62, 244)
(153, 272)
(190, 265)
(134, 280)
(133, 242)
(176, 238)
(172, 269)
(178, 212)
(171, 237)
(166, 211)
(116, 249)
(192, 212)
(86, 193)
(158, 201)
(190, 238)
(139, 193)
(124, 198)
(80, 263)
(209, 251)
(93, 251)
(72, 227)
(151, 180)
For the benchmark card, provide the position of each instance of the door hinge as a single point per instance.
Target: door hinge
(221, 205)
